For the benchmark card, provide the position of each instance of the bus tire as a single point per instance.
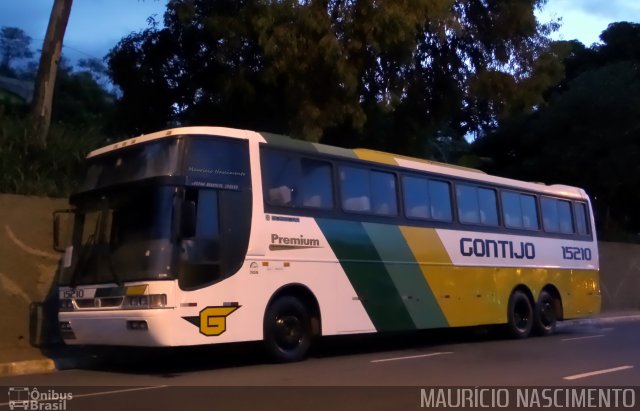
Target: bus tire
(287, 330)
(545, 316)
(520, 315)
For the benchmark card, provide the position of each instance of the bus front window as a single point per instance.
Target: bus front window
(123, 237)
(200, 245)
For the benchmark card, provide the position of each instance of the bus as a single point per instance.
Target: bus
(208, 235)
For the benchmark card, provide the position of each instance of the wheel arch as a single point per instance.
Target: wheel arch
(557, 298)
(306, 297)
(520, 324)
(526, 290)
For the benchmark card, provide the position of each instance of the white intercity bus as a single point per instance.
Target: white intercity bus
(206, 235)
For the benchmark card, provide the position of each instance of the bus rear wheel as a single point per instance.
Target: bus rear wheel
(520, 315)
(287, 330)
(545, 316)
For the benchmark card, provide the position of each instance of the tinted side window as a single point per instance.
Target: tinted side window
(368, 191)
(550, 215)
(519, 210)
(511, 209)
(582, 224)
(468, 208)
(529, 212)
(281, 174)
(292, 181)
(488, 206)
(383, 193)
(565, 217)
(556, 216)
(416, 197)
(477, 205)
(440, 194)
(355, 189)
(316, 187)
(427, 199)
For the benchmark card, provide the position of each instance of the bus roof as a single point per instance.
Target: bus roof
(373, 156)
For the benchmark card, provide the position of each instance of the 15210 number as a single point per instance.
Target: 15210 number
(576, 253)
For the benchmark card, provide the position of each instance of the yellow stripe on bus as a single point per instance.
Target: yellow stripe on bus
(425, 245)
(137, 289)
(376, 156)
(469, 295)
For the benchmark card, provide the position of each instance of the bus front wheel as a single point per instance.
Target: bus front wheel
(520, 315)
(287, 330)
(545, 317)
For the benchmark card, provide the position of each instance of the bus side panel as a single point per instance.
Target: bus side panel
(414, 277)
(487, 267)
(380, 277)
(296, 254)
(253, 287)
(384, 274)
(466, 295)
(587, 299)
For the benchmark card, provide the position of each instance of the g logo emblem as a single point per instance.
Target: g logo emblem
(213, 320)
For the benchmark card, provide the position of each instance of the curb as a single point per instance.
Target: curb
(612, 319)
(27, 367)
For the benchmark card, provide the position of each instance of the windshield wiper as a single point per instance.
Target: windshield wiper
(114, 273)
(84, 255)
(104, 251)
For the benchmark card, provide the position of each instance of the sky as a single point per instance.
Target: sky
(95, 26)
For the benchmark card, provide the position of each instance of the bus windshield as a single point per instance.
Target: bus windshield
(123, 237)
(151, 159)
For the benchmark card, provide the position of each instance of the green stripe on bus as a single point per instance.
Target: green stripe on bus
(366, 272)
(401, 265)
(279, 140)
(335, 151)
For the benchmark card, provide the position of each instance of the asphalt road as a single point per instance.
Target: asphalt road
(352, 373)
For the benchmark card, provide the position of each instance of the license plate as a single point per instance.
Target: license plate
(78, 293)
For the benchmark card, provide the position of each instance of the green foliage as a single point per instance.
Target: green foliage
(25, 169)
(587, 132)
(14, 45)
(387, 74)
(80, 96)
(80, 101)
(82, 113)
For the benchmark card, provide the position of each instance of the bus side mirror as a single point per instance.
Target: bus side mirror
(62, 229)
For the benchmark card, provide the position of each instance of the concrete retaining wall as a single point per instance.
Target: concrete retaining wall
(27, 267)
(620, 276)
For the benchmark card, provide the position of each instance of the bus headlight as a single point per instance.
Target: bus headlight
(137, 302)
(65, 304)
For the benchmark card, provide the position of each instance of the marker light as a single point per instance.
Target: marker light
(137, 302)
(66, 331)
(65, 304)
(139, 325)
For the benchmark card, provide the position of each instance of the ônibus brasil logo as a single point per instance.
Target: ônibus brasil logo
(26, 398)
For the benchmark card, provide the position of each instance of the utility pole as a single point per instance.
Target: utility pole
(47, 71)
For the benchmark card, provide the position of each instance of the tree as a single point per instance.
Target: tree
(95, 68)
(47, 70)
(587, 132)
(15, 44)
(385, 74)
(80, 99)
